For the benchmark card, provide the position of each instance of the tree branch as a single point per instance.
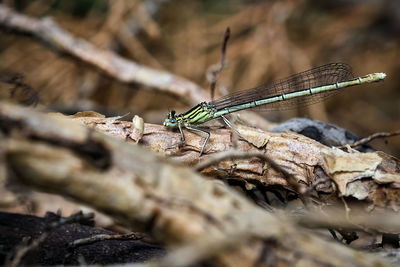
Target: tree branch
(114, 65)
(372, 177)
(172, 202)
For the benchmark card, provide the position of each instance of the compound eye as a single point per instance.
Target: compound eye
(171, 114)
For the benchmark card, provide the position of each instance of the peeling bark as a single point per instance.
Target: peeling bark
(173, 203)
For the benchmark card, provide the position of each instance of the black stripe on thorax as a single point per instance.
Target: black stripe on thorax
(193, 112)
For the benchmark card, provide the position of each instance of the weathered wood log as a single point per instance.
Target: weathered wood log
(170, 201)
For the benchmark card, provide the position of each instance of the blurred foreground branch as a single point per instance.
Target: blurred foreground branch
(114, 65)
(175, 204)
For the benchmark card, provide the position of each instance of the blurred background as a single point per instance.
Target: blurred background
(269, 40)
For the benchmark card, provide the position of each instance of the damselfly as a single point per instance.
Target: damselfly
(301, 89)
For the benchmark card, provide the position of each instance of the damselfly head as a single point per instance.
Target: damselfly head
(171, 114)
(171, 121)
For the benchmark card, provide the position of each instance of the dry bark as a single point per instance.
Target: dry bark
(373, 177)
(200, 217)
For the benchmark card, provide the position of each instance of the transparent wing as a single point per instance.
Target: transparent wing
(323, 75)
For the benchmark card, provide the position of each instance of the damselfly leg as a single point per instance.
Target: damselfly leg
(229, 124)
(205, 142)
(183, 140)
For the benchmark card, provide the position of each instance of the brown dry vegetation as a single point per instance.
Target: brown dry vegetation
(270, 40)
(286, 181)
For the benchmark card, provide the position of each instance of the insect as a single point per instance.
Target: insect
(300, 89)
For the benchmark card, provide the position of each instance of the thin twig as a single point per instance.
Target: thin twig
(215, 74)
(102, 237)
(347, 209)
(29, 96)
(14, 259)
(368, 139)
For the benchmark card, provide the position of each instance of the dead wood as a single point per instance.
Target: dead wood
(323, 132)
(117, 67)
(200, 217)
(112, 64)
(372, 177)
(368, 139)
